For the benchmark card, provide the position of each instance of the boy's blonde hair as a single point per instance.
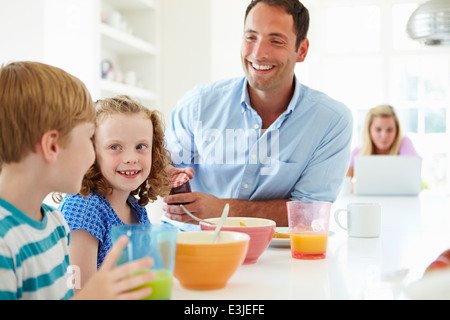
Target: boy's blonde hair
(380, 111)
(36, 98)
(158, 182)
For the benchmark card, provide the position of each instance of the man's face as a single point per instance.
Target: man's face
(268, 51)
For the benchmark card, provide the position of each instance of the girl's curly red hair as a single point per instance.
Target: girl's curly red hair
(158, 182)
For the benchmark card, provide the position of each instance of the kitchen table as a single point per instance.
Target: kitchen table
(414, 231)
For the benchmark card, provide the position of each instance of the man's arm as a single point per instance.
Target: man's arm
(205, 206)
(269, 209)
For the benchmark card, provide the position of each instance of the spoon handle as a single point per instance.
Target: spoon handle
(194, 217)
(221, 222)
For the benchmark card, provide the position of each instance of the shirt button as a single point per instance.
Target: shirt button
(253, 156)
(256, 126)
(245, 186)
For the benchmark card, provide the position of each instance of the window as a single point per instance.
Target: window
(352, 29)
(361, 55)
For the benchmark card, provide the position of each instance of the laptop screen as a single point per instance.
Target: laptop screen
(387, 175)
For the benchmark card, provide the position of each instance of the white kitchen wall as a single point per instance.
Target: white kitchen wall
(21, 30)
(51, 31)
(226, 37)
(185, 48)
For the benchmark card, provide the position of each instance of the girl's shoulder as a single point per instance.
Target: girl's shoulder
(80, 201)
(353, 154)
(356, 151)
(407, 147)
(140, 211)
(406, 140)
(85, 212)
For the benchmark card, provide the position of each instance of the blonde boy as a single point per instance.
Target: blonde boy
(46, 126)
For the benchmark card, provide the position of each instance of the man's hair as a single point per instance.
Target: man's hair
(293, 7)
(36, 98)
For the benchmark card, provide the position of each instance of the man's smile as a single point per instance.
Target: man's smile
(261, 67)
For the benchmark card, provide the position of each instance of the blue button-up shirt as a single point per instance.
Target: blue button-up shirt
(303, 155)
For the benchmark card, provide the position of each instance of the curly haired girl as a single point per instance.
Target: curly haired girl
(129, 172)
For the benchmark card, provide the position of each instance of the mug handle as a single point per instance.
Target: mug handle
(336, 217)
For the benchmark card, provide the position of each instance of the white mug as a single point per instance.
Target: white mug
(363, 219)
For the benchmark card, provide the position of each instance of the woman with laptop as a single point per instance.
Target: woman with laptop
(382, 135)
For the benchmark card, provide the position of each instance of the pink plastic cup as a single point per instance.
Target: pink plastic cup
(308, 228)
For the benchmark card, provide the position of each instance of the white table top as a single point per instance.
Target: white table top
(415, 230)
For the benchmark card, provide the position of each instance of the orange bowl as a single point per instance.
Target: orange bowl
(202, 265)
(260, 231)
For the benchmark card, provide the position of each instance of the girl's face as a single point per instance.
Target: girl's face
(383, 132)
(123, 146)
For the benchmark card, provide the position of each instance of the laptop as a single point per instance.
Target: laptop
(387, 175)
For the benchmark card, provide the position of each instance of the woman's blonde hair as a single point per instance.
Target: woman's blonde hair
(36, 98)
(368, 147)
(158, 182)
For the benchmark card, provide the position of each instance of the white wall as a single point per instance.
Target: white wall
(185, 48)
(226, 37)
(50, 31)
(71, 38)
(21, 30)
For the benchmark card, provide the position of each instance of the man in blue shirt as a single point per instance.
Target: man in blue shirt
(259, 141)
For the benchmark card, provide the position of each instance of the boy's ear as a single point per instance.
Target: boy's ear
(48, 146)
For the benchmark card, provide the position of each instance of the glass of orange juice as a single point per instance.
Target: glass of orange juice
(157, 242)
(308, 228)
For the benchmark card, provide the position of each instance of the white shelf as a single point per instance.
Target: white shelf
(128, 37)
(132, 4)
(124, 43)
(121, 88)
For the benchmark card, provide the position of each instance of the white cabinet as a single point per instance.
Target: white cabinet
(129, 49)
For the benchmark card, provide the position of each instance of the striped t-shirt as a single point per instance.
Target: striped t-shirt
(34, 255)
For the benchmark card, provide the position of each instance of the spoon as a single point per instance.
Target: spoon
(194, 217)
(221, 222)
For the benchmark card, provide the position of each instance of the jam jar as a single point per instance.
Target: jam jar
(180, 184)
